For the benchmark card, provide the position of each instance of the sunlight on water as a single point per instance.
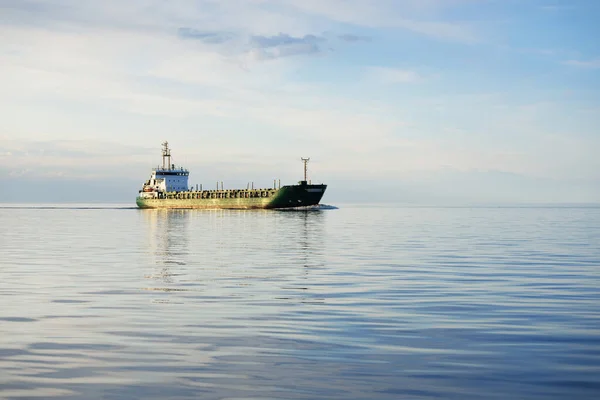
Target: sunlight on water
(354, 303)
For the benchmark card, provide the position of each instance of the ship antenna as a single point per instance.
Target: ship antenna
(305, 161)
(166, 153)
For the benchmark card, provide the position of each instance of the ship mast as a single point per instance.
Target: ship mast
(166, 154)
(305, 161)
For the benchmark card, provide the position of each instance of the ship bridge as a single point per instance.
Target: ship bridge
(173, 171)
(168, 177)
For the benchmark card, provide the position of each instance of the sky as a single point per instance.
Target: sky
(415, 101)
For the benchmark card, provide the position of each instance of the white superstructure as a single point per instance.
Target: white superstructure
(167, 178)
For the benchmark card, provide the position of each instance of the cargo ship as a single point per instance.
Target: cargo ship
(168, 188)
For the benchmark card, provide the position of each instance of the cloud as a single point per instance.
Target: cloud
(283, 45)
(283, 39)
(264, 17)
(555, 7)
(100, 76)
(70, 158)
(258, 47)
(347, 37)
(206, 37)
(593, 64)
(283, 51)
(412, 15)
(393, 75)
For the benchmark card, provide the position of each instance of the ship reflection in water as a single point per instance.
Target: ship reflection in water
(167, 242)
(228, 253)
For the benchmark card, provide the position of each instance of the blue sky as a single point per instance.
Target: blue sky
(424, 101)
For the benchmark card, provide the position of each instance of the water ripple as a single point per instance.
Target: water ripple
(353, 303)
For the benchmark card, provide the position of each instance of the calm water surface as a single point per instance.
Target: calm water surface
(354, 303)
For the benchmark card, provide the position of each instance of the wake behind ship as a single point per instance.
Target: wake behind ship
(168, 188)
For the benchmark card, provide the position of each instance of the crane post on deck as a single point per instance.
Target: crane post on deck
(305, 161)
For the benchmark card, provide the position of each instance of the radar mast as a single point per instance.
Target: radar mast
(305, 161)
(166, 155)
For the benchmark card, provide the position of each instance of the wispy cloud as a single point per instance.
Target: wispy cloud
(284, 45)
(447, 31)
(584, 64)
(555, 7)
(393, 75)
(258, 47)
(68, 158)
(354, 38)
(206, 37)
(412, 15)
(283, 51)
(283, 39)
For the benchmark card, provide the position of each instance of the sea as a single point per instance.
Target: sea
(107, 301)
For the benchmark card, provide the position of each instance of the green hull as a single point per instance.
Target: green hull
(285, 197)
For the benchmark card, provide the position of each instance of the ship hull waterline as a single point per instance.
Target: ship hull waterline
(284, 197)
